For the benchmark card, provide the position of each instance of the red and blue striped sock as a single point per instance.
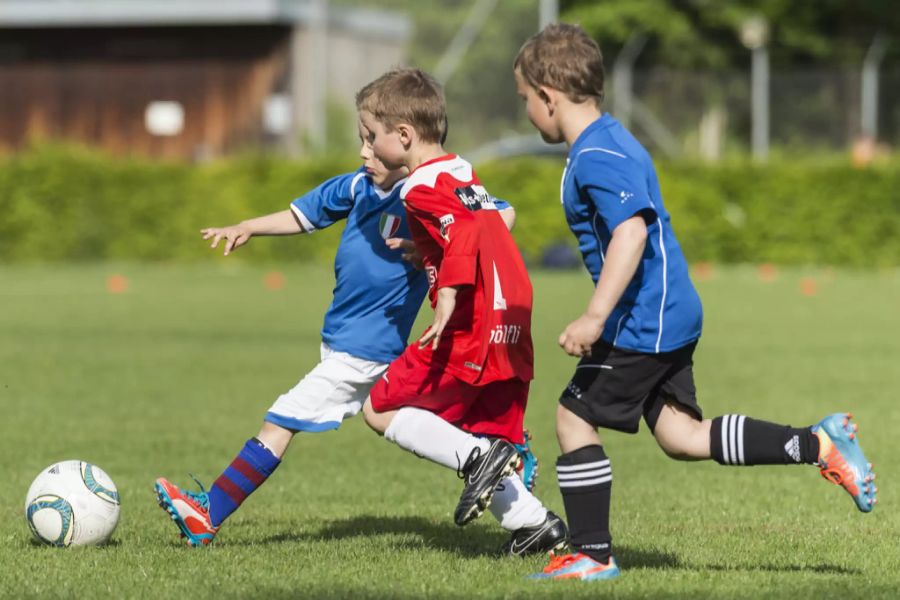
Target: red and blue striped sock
(249, 470)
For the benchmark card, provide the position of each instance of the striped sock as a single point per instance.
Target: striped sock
(740, 440)
(585, 480)
(249, 470)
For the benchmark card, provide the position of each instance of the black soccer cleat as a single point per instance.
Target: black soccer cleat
(550, 536)
(482, 471)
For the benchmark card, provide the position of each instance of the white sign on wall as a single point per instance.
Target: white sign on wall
(164, 118)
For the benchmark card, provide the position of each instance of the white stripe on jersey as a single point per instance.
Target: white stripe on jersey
(613, 152)
(456, 167)
(307, 224)
(353, 185)
(662, 302)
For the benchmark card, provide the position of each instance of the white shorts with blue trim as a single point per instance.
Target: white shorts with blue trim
(333, 391)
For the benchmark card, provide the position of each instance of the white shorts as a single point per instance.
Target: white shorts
(334, 390)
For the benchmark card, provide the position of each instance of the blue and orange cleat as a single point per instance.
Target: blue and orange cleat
(841, 460)
(189, 510)
(578, 566)
(528, 466)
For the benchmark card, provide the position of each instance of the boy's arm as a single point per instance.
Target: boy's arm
(317, 209)
(622, 259)
(508, 215)
(235, 236)
(616, 187)
(443, 309)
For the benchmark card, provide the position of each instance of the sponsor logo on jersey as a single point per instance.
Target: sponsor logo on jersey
(506, 334)
(446, 221)
(388, 225)
(475, 197)
(625, 197)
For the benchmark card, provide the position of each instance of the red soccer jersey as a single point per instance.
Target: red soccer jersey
(464, 242)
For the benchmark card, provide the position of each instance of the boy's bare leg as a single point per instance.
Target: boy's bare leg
(377, 421)
(275, 438)
(573, 432)
(681, 435)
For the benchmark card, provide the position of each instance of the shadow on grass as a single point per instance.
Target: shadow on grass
(630, 558)
(823, 568)
(113, 543)
(471, 542)
(478, 542)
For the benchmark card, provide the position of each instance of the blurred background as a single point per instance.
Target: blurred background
(773, 122)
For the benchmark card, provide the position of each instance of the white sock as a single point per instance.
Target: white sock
(428, 436)
(515, 507)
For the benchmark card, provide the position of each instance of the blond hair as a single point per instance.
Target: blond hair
(565, 58)
(409, 96)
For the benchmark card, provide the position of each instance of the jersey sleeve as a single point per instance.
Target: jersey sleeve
(501, 204)
(458, 228)
(614, 185)
(327, 203)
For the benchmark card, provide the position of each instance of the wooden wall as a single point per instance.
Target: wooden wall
(94, 85)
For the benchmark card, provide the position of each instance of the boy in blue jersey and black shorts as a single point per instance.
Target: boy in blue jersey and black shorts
(637, 337)
(376, 298)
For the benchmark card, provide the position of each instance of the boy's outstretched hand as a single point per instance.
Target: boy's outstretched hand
(580, 335)
(235, 236)
(446, 302)
(410, 252)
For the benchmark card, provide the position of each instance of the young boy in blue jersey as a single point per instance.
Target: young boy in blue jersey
(637, 336)
(376, 298)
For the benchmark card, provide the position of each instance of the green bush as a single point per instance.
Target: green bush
(62, 203)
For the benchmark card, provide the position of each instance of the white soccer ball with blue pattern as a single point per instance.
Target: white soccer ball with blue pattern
(72, 503)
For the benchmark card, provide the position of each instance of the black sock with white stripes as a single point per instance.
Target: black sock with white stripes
(585, 480)
(740, 440)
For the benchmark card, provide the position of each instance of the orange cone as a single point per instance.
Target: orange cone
(116, 284)
(768, 272)
(274, 280)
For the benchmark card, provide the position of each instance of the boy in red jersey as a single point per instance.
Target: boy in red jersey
(468, 375)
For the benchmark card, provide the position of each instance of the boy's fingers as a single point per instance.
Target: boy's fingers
(423, 341)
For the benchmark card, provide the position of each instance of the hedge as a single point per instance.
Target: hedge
(62, 203)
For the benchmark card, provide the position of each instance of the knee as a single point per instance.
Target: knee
(371, 417)
(688, 441)
(572, 431)
(376, 421)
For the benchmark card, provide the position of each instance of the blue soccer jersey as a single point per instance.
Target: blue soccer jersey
(377, 294)
(609, 178)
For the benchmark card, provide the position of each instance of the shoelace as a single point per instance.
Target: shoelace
(201, 497)
(474, 455)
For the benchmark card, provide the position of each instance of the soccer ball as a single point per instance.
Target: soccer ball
(72, 503)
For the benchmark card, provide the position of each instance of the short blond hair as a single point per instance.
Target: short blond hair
(565, 58)
(407, 96)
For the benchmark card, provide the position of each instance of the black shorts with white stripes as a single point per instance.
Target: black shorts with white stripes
(614, 388)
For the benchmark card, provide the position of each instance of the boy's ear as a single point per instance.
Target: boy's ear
(406, 132)
(548, 97)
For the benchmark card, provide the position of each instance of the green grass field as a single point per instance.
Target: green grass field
(173, 375)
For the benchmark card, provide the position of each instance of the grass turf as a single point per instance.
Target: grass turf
(173, 375)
